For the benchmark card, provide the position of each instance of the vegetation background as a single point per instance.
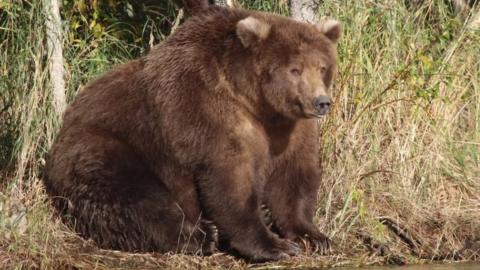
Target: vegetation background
(400, 149)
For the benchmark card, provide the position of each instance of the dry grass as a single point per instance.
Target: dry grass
(400, 151)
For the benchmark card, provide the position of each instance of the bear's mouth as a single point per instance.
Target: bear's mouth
(300, 107)
(314, 115)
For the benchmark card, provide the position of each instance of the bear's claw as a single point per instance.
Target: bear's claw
(317, 244)
(210, 243)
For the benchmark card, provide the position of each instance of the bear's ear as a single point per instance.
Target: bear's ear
(331, 29)
(250, 30)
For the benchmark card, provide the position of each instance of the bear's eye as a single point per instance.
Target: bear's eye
(296, 71)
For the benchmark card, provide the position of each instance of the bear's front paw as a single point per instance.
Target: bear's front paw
(270, 248)
(316, 242)
(289, 247)
(308, 237)
(281, 249)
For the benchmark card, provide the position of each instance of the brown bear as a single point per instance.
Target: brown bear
(214, 122)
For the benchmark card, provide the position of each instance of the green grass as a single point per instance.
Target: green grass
(402, 143)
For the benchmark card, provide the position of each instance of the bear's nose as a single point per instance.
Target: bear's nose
(322, 103)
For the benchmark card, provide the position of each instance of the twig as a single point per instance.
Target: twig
(178, 19)
(381, 249)
(415, 244)
(404, 235)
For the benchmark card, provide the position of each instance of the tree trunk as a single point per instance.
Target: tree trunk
(475, 22)
(191, 7)
(225, 3)
(304, 10)
(54, 48)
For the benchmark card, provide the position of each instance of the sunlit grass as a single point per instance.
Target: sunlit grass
(403, 140)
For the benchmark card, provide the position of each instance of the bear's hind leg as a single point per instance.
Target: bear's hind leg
(109, 195)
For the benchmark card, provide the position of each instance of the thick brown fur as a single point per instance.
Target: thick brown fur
(213, 122)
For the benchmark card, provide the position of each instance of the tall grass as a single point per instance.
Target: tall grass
(404, 138)
(400, 150)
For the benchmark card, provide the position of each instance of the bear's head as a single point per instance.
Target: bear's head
(294, 62)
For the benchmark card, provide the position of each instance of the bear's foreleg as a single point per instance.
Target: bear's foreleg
(291, 197)
(230, 197)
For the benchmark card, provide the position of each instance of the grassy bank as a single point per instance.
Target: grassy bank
(400, 150)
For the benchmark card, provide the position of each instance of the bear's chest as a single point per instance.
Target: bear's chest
(265, 142)
(253, 137)
(278, 134)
